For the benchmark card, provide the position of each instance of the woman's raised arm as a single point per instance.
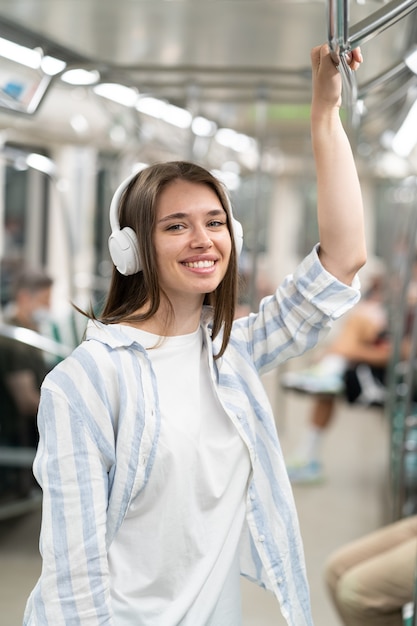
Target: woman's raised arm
(340, 208)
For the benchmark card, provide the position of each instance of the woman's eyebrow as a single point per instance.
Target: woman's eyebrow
(181, 215)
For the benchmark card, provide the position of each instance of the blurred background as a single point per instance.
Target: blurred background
(91, 90)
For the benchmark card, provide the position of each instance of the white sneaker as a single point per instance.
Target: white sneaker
(313, 380)
(309, 473)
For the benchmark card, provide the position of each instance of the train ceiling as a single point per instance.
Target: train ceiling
(243, 63)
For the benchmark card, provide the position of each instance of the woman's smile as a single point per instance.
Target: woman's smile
(201, 264)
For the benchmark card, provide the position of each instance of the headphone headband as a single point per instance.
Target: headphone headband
(114, 205)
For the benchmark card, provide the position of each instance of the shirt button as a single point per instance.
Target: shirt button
(261, 538)
(252, 496)
(279, 580)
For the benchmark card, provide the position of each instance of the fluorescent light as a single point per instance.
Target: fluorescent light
(406, 137)
(20, 54)
(33, 58)
(410, 59)
(225, 137)
(160, 109)
(203, 127)
(51, 65)
(118, 93)
(151, 106)
(230, 179)
(81, 77)
(177, 116)
(237, 141)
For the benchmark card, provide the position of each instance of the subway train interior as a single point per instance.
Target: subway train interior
(93, 90)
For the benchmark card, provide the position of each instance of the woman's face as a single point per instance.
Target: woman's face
(192, 240)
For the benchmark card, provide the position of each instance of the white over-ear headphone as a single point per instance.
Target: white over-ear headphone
(123, 243)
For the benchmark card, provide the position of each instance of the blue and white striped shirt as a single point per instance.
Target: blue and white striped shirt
(99, 421)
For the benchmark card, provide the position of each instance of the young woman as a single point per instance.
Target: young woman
(159, 460)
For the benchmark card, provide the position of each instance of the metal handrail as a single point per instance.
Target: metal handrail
(378, 21)
(34, 339)
(342, 39)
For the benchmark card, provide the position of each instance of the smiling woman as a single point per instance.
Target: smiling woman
(162, 474)
(171, 191)
(193, 250)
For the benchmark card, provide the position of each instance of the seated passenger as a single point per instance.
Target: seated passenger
(372, 578)
(354, 365)
(22, 370)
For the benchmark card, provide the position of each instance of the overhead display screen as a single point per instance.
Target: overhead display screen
(21, 88)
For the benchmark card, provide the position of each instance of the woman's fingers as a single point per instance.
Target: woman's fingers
(354, 58)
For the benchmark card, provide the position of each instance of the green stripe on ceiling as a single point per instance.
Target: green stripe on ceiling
(288, 112)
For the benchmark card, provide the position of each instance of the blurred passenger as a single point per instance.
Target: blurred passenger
(353, 367)
(372, 578)
(22, 366)
(161, 470)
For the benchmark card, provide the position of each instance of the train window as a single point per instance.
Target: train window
(251, 201)
(24, 217)
(106, 175)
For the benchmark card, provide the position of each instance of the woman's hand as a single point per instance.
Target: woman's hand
(327, 82)
(354, 59)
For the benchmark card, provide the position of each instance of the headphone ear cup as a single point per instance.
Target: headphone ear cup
(237, 235)
(124, 251)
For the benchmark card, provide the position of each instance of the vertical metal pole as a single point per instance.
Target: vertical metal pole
(193, 103)
(338, 39)
(415, 600)
(261, 119)
(338, 25)
(399, 483)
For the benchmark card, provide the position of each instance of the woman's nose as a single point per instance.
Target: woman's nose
(201, 239)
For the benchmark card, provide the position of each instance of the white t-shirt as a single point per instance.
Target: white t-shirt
(175, 559)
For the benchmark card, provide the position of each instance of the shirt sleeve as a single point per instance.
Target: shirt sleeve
(322, 289)
(296, 317)
(74, 584)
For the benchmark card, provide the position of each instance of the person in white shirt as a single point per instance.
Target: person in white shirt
(161, 469)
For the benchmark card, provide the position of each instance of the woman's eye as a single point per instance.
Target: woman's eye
(175, 227)
(216, 223)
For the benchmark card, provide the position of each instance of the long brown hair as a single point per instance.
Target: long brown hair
(137, 209)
